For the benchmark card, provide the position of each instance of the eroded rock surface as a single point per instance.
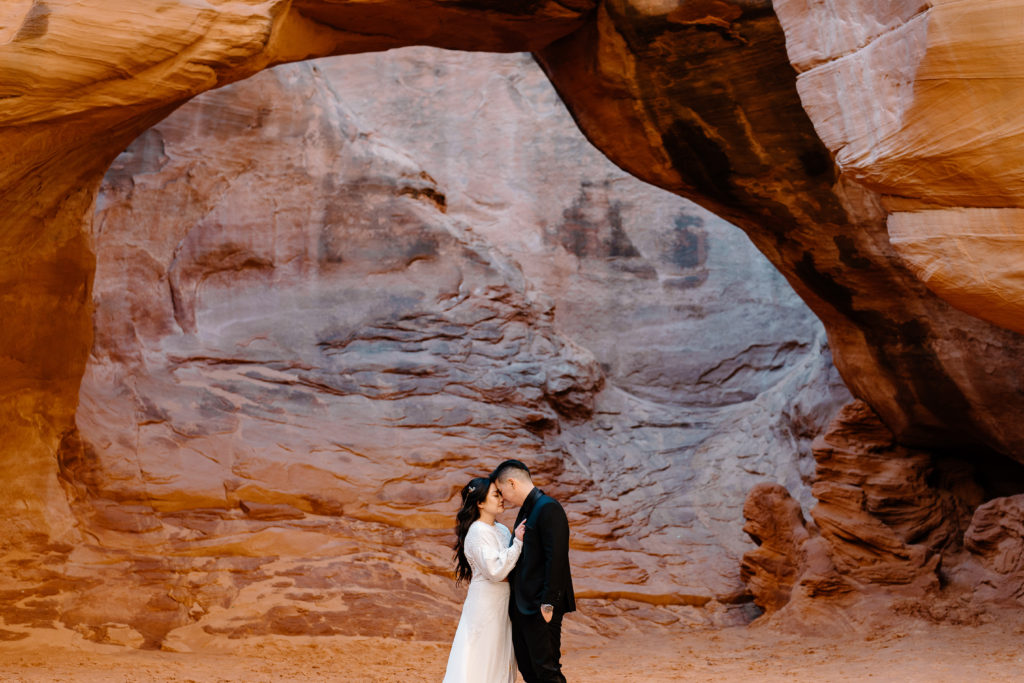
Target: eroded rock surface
(996, 544)
(775, 522)
(691, 416)
(891, 531)
(296, 369)
(304, 364)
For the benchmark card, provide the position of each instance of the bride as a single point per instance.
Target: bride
(482, 649)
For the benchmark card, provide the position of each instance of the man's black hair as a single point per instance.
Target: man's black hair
(509, 465)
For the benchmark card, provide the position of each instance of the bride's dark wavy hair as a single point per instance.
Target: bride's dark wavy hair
(473, 493)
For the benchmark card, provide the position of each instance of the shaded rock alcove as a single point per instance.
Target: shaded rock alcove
(894, 531)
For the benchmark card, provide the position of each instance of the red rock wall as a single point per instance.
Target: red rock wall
(309, 334)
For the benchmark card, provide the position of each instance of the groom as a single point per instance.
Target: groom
(540, 583)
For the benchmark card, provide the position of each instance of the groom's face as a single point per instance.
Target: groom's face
(510, 491)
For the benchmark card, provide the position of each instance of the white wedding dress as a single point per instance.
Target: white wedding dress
(482, 649)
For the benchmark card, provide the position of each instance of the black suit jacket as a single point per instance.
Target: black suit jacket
(541, 576)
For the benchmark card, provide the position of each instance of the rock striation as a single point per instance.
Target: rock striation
(996, 545)
(891, 530)
(921, 102)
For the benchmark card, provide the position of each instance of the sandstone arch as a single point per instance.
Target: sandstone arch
(700, 99)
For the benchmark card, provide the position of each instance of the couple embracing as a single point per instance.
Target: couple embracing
(519, 584)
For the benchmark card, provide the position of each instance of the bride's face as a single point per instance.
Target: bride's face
(493, 505)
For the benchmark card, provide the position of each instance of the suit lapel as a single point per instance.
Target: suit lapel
(527, 507)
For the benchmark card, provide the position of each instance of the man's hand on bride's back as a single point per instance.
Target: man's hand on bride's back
(521, 530)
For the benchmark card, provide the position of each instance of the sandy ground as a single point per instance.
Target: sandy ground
(915, 652)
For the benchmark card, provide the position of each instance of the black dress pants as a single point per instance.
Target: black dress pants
(538, 646)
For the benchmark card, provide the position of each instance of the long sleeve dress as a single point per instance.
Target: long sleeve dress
(482, 648)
